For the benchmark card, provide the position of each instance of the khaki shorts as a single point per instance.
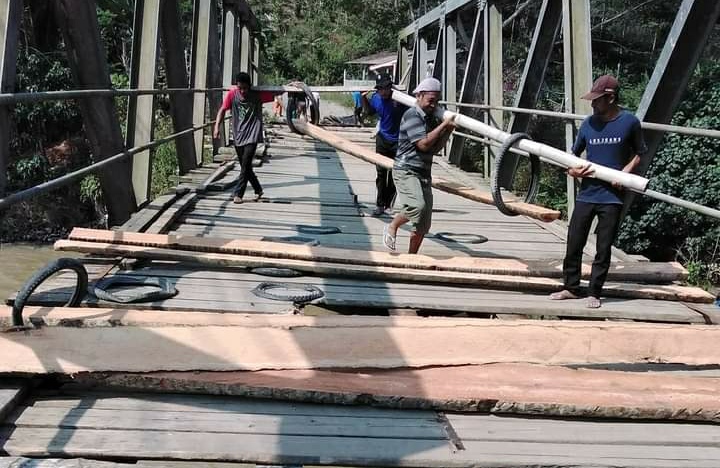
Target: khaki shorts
(414, 198)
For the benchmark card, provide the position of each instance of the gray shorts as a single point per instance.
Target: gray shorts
(414, 198)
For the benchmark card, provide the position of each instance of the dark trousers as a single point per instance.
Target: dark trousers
(608, 221)
(384, 181)
(246, 153)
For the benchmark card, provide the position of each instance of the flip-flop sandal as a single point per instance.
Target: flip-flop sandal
(593, 303)
(562, 295)
(388, 240)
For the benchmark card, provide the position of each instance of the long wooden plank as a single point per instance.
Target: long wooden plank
(213, 348)
(116, 316)
(493, 388)
(454, 188)
(645, 270)
(181, 421)
(278, 449)
(513, 283)
(22, 462)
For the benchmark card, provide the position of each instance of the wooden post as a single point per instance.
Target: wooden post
(493, 75)
(471, 82)
(423, 56)
(181, 105)
(10, 17)
(77, 20)
(140, 108)
(244, 48)
(256, 60)
(450, 82)
(201, 36)
(230, 56)
(214, 68)
(578, 72)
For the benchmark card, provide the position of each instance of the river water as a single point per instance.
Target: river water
(19, 261)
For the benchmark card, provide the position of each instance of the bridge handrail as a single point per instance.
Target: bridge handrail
(95, 167)
(692, 131)
(41, 96)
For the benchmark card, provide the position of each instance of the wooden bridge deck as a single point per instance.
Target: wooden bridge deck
(308, 185)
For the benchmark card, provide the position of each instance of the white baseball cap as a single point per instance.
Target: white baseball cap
(428, 84)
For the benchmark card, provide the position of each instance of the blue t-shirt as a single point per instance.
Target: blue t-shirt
(389, 113)
(612, 144)
(357, 97)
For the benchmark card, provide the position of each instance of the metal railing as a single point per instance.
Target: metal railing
(42, 96)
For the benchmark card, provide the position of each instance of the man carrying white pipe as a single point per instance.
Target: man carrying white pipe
(612, 138)
(421, 136)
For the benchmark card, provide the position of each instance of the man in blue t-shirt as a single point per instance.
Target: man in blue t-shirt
(612, 138)
(389, 114)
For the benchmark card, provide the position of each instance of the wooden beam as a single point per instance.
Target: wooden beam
(77, 20)
(141, 115)
(534, 211)
(230, 60)
(493, 388)
(270, 254)
(181, 104)
(199, 73)
(398, 344)
(214, 76)
(10, 19)
(634, 271)
(245, 46)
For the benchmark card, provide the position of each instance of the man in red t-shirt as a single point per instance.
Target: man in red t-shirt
(247, 125)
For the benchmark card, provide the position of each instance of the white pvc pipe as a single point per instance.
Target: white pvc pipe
(559, 157)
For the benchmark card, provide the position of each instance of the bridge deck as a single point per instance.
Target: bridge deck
(309, 185)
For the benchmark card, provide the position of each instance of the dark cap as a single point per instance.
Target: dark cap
(606, 84)
(383, 81)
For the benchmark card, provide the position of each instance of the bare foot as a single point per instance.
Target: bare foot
(593, 302)
(562, 295)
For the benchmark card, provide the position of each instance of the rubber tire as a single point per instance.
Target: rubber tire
(166, 290)
(288, 117)
(495, 188)
(311, 292)
(450, 237)
(318, 230)
(276, 272)
(314, 114)
(43, 274)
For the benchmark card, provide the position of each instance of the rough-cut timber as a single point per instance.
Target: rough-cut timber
(626, 271)
(492, 388)
(533, 211)
(400, 343)
(506, 282)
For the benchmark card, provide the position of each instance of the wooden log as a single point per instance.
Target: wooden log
(633, 271)
(533, 211)
(504, 282)
(398, 344)
(492, 388)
